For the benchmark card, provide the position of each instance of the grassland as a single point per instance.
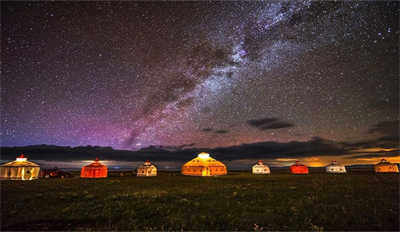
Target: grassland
(239, 201)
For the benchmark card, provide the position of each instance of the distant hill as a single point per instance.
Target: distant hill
(52, 152)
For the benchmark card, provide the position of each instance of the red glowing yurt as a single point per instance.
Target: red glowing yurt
(94, 170)
(299, 168)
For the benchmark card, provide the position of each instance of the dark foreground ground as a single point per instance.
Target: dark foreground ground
(239, 201)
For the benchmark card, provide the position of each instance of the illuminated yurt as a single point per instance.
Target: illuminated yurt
(335, 168)
(260, 168)
(20, 169)
(204, 165)
(147, 169)
(299, 168)
(94, 170)
(386, 167)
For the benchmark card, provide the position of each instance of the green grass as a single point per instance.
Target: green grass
(239, 201)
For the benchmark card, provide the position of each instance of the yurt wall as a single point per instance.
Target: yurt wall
(20, 169)
(19, 172)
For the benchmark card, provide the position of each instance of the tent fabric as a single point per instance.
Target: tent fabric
(147, 169)
(20, 169)
(298, 168)
(204, 165)
(386, 167)
(335, 168)
(260, 168)
(94, 170)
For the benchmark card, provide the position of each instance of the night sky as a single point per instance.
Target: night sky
(199, 74)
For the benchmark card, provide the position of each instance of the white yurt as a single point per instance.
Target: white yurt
(260, 168)
(335, 168)
(147, 169)
(20, 169)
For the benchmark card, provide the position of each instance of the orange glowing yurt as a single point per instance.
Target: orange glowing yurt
(20, 169)
(298, 168)
(94, 170)
(204, 165)
(386, 167)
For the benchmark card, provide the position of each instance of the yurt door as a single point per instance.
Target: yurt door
(26, 173)
(205, 172)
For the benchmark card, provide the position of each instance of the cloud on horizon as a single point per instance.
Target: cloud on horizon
(269, 123)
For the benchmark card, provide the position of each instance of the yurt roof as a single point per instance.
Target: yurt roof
(204, 159)
(335, 164)
(147, 163)
(96, 163)
(259, 164)
(21, 161)
(298, 164)
(383, 161)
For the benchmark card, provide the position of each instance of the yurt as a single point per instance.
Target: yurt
(260, 168)
(94, 170)
(386, 167)
(204, 165)
(298, 168)
(335, 168)
(147, 169)
(20, 169)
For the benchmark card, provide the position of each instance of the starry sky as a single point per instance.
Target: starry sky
(199, 74)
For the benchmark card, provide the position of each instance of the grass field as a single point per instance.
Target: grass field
(239, 201)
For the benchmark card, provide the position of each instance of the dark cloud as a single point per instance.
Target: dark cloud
(316, 146)
(375, 155)
(269, 123)
(387, 128)
(222, 131)
(388, 132)
(263, 150)
(186, 145)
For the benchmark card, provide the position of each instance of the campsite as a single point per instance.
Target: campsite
(358, 200)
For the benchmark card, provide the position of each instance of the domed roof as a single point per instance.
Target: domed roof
(147, 163)
(298, 164)
(334, 163)
(259, 164)
(204, 159)
(96, 163)
(21, 161)
(383, 161)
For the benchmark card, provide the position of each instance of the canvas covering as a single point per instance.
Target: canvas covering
(204, 165)
(260, 168)
(298, 168)
(335, 168)
(20, 169)
(386, 167)
(94, 170)
(147, 169)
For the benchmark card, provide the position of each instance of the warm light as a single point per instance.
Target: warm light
(375, 149)
(204, 155)
(21, 159)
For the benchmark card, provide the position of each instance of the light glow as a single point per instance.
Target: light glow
(204, 155)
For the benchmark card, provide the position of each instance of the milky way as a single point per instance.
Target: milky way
(130, 74)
